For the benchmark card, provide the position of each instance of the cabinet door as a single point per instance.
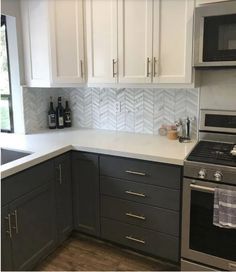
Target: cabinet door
(33, 227)
(172, 41)
(36, 43)
(86, 192)
(6, 262)
(67, 41)
(101, 22)
(135, 41)
(63, 196)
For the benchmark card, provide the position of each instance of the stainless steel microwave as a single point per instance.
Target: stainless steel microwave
(215, 34)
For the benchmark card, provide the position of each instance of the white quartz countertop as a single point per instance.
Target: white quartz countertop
(48, 144)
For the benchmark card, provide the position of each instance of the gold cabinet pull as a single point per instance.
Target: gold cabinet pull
(154, 67)
(129, 237)
(81, 68)
(16, 221)
(134, 193)
(114, 74)
(8, 218)
(135, 173)
(148, 66)
(141, 217)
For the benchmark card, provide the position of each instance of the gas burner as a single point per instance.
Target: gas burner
(214, 153)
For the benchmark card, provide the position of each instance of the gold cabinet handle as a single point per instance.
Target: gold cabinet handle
(141, 217)
(155, 63)
(8, 218)
(148, 66)
(114, 74)
(134, 193)
(60, 173)
(82, 68)
(135, 173)
(16, 221)
(129, 237)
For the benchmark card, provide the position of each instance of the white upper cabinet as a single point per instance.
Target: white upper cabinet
(53, 42)
(139, 41)
(101, 23)
(172, 41)
(134, 41)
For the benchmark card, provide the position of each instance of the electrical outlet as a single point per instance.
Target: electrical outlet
(118, 106)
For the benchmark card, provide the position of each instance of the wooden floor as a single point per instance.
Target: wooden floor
(86, 254)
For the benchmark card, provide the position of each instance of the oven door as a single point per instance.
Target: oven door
(201, 240)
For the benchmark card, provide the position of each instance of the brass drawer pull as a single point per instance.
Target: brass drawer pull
(81, 68)
(16, 221)
(135, 173)
(135, 240)
(135, 194)
(148, 65)
(8, 218)
(114, 74)
(141, 217)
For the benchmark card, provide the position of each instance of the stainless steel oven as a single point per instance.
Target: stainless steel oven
(203, 242)
(210, 165)
(215, 34)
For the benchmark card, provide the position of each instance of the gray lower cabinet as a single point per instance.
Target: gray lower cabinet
(33, 227)
(63, 186)
(28, 217)
(154, 243)
(140, 203)
(6, 255)
(85, 175)
(130, 202)
(28, 229)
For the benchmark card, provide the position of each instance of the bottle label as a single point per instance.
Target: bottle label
(52, 120)
(60, 121)
(67, 118)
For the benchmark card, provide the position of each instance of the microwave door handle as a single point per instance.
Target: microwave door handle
(202, 188)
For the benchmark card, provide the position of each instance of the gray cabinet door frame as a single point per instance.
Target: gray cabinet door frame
(63, 189)
(36, 235)
(86, 197)
(6, 256)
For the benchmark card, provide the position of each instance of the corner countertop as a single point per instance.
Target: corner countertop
(48, 144)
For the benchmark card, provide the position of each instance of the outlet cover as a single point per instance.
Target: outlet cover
(118, 106)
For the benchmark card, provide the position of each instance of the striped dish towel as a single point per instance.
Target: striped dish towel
(224, 208)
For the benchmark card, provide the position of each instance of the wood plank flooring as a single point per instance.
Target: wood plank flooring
(82, 253)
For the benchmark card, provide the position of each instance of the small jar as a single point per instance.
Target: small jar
(172, 134)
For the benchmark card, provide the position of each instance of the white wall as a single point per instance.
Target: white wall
(218, 89)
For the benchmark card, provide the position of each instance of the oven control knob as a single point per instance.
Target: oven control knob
(202, 173)
(218, 176)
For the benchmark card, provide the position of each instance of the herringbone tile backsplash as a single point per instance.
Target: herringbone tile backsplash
(142, 110)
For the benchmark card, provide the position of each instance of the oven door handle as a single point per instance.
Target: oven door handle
(202, 188)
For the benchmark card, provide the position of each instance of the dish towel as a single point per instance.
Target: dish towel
(224, 208)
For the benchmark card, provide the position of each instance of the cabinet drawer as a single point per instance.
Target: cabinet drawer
(142, 193)
(28, 180)
(148, 241)
(141, 171)
(157, 219)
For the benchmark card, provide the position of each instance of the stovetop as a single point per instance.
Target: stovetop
(214, 153)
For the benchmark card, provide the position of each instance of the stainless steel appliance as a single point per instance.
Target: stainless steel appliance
(215, 34)
(210, 165)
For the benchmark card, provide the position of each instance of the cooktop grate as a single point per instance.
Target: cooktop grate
(213, 152)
